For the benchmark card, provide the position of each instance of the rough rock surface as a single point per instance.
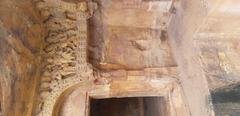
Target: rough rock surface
(136, 42)
(21, 33)
(56, 54)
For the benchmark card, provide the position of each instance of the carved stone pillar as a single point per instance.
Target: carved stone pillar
(65, 52)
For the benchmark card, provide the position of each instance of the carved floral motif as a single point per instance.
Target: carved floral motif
(64, 54)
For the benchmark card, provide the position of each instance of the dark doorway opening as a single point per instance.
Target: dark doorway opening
(1, 109)
(131, 106)
(1, 97)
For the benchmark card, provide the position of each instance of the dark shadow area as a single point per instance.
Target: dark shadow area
(1, 109)
(135, 106)
(226, 101)
(1, 113)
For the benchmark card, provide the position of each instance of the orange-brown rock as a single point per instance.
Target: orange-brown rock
(21, 37)
(119, 57)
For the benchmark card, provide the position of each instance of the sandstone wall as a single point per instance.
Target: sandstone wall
(124, 34)
(21, 35)
(188, 16)
(218, 42)
(130, 34)
(204, 35)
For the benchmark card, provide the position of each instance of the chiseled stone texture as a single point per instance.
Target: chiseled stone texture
(64, 53)
(218, 42)
(220, 60)
(184, 23)
(21, 36)
(130, 34)
(195, 41)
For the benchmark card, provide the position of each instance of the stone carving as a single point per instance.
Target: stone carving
(64, 54)
(65, 51)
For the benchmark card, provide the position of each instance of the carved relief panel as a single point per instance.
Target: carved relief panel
(136, 43)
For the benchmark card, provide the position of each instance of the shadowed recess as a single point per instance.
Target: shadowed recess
(135, 106)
